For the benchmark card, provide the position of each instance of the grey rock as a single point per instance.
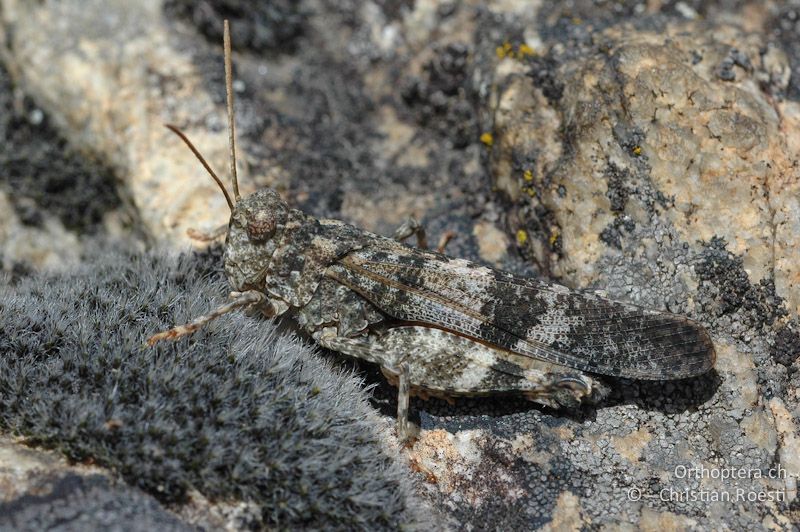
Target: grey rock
(646, 149)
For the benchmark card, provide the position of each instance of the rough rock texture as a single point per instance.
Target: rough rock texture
(69, 56)
(39, 491)
(321, 125)
(649, 149)
(50, 194)
(666, 155)
(665, 129)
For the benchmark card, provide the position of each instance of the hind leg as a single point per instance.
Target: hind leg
(371, 351)
(446, 364)
(403, 395)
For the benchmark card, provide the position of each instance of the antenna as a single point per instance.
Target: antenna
(226, 43)
(186, 140)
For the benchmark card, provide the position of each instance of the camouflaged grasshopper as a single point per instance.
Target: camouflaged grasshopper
(435, 324)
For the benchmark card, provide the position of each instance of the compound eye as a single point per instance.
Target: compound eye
(261, 226)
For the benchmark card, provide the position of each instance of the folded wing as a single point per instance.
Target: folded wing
(577, 329)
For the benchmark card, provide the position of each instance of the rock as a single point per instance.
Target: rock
(68, 58)
(39, 490)
(653, 521)
(790, 457)
(50, 193)
(646, 149)
(656, 142)
(567, 514)
(273, 26)
(48, 246)
(631, 445)
(492, 243)
(671, 179)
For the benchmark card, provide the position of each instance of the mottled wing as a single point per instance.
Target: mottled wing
(577, 329)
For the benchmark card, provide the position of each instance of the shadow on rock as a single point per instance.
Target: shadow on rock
(669, 397)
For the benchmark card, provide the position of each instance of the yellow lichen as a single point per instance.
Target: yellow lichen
(508, 50)
(522, 237)
(487, 139)
(528, 175)
(525, 50)
(637, 150)
(505, 50)
(554, 238)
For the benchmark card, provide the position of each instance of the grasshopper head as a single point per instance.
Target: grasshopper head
(256, 226)
(257, 222)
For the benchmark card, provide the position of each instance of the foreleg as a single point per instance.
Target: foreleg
(239, 299)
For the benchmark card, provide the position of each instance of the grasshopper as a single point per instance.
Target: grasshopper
(436, 325)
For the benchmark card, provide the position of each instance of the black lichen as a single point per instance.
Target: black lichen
(618, 182)
(441, 98)
(786, 350)
(727, 284)
(236, 411)
(725, 70)
(544, 72)
(395, 9)
(612, 233)
(785, 27)
(42, 175)
(261, 26)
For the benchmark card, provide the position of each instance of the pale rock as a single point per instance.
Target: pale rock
(69, 55)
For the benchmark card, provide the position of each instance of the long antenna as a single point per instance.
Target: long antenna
(226, 42)
(185, 139)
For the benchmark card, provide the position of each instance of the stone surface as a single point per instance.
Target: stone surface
(39, 490)
(50, 193)
(49, 245)
(660, 140)
(648, 149)
(70, 58)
